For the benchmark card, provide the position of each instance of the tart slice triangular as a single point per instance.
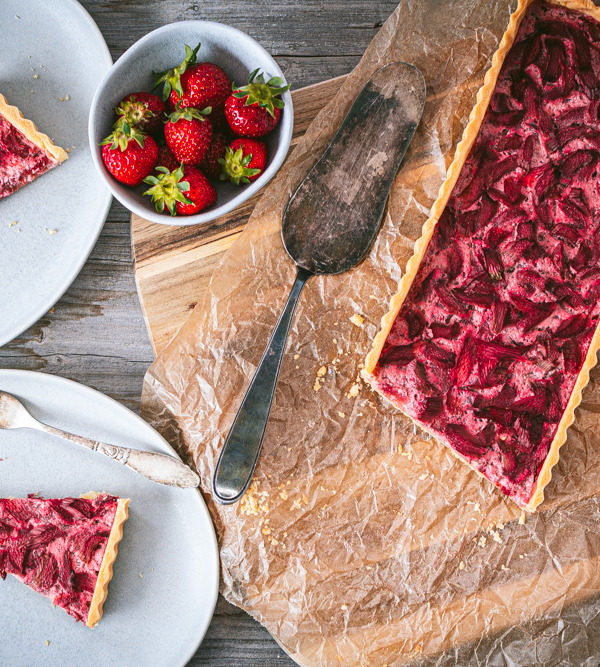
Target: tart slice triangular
(63, 548)
(25, 153)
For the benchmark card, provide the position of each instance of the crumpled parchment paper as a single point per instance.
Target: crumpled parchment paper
(361, 541)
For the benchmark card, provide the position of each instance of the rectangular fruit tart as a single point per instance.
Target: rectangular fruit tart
(489, 342)
(63, 548)
(25, 152)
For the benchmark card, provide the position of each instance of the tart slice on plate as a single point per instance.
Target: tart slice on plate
(63, 548)
(490, 340)
(25, 152)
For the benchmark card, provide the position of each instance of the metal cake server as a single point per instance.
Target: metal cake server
(159, 468)
(328, 227)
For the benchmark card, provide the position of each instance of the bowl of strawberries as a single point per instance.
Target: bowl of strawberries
(190, 122)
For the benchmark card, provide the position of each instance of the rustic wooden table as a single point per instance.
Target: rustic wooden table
(96, 334)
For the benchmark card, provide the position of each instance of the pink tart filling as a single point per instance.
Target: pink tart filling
(488, 344)
(20, 160)
(56, 546)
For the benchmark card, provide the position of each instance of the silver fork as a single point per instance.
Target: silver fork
(159, 468)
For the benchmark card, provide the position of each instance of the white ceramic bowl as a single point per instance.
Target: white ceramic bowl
(238, 55)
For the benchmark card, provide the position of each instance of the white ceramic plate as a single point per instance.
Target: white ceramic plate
(60, 44)
(165, 584)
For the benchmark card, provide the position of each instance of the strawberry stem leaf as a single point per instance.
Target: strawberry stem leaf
(171, 78)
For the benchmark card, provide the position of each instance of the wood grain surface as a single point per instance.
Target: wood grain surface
(173, 265)
(96, 333)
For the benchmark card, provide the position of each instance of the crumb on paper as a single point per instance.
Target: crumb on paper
(51, 231)
(140, 575)
(496, 537)
(13, 223)
(357, 320)
(461, 565)
(522, 518)
(418, 649)
(17, 16)
(254, 502)
(47, 642)
(67, 98)
(36, 76)
(353, 391)
(322, 371)
(341, 414)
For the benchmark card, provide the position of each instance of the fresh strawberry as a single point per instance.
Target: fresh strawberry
(211, 165)
(244, 161)
(192, 84)
(129, 155)
(166, 159)
(183, 191)
(142, 110)
(254, 110)
(188, 133)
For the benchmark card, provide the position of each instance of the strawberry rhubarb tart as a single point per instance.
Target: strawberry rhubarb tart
(25, 153)
(490, 340)
(63, 548)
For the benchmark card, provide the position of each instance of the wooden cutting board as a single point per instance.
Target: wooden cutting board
(173, 265)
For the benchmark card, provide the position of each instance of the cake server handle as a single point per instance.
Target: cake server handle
(243, 444)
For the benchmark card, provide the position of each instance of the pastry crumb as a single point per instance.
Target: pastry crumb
(503, 567)
(496, 537)
(482, 541)
(296, 356)
(461, 565)
(357, 320)
(266, 530)
(341, 414)
(418, 649)
(254, 501)
(317, 385)
(521, 556)
(353, 391)
(322, 371)
(344, 607)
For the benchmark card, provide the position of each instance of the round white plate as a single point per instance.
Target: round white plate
(165, 584)
(49, 50)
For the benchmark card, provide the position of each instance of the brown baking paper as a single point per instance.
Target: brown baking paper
(362, 541)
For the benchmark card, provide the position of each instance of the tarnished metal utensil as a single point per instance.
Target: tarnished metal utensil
(328, 227)
(159, 468)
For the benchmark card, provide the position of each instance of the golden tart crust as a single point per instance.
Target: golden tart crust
(28, 128)
(106, 568)
(462, 151)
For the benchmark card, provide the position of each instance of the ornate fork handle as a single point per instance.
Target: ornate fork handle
(159, 468)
